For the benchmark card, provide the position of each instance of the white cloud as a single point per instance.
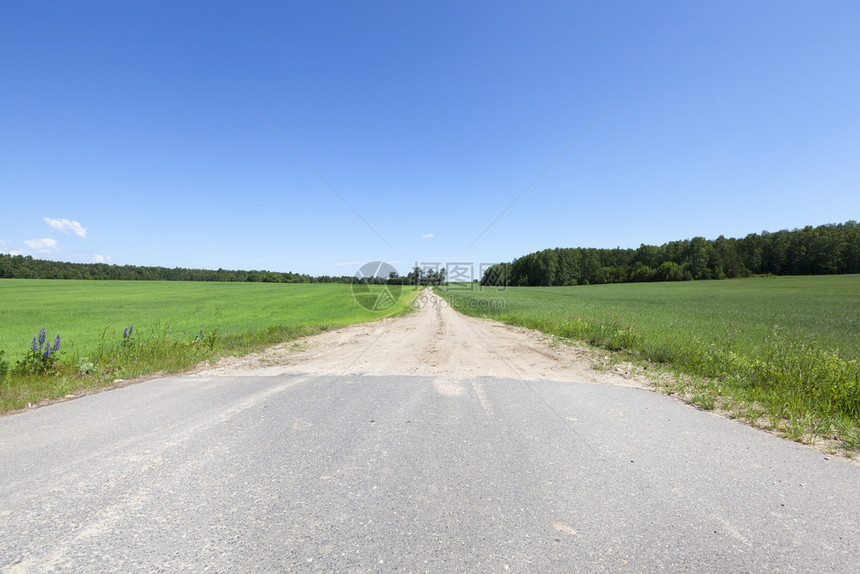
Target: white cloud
(42, 245)
(428, 236)
(101, 258)
(67, 226)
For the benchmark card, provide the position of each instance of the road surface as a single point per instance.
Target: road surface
(430, 443)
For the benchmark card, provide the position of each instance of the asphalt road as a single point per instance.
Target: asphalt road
(296, 473)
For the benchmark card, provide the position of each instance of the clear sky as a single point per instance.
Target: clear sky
(172, 133)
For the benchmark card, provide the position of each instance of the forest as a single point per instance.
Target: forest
(826, 249)
(25, 267)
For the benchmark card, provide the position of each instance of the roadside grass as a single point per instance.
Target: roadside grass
(122, 330)
(780, 353)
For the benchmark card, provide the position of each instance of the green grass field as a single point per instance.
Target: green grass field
(81, 311)
(168, 319)
(783, 348)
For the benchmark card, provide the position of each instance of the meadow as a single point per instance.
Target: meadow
(174, 325)
(781, 352)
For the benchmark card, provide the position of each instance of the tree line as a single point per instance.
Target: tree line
(826, 249)
(25, 267)
(417, 276)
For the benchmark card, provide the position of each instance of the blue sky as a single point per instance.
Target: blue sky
(167, 133)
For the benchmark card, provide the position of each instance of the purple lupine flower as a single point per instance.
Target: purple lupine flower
(43, 334)
(125, 333)
(34, 346)
(130, 329)
(56, 344)
(47, 350)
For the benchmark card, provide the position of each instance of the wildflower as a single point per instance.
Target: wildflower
(34, 347)
(56, 344)
(130, 329)
(43, 334)
(125, 333)
(47, 350)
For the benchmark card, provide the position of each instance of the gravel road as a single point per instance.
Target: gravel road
(429, 443)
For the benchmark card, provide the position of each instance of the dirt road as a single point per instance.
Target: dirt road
(435, 341)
